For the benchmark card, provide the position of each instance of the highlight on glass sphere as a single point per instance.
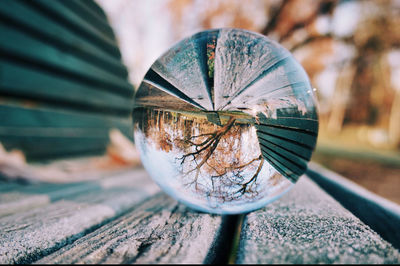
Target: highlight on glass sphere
(225, 121)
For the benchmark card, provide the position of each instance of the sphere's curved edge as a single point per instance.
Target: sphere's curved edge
(250, 80)
(229, 210)
(245, 208)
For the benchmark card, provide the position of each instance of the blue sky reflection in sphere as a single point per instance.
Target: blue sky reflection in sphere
(225, 121)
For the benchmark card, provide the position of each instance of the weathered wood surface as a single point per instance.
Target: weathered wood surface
(28, 235)
(159, 231)
(183, 66)
(29, 193)
(308, 226)
(124, 218)
(236, 68)
(19, 198)
(82, 223)
(382, 215)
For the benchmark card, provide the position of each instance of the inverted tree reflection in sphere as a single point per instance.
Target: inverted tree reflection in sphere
(225, 121)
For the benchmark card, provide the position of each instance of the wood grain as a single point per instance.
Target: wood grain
(308, 226)
(240, 58)
(29, 235)
(160, 230)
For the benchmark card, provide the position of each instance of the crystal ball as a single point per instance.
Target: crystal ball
(225, 121)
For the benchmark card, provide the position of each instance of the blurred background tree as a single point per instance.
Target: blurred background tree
(350, 50)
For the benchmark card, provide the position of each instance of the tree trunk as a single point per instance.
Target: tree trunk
(340, 97)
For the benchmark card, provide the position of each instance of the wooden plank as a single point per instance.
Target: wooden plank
(95, 18)
(296, 148)
(45, 147)
(235, 69)
(308, 226)
(158, 231)
(382, 215)
(28, 236)
(60, 56)
(78, 24)
(16, 197)
(19, 116)
(32, 21)
(304, 124)
(43, 133)
(26, 197)
(6, 186)
(39, 85)
(293, 135)
(94, 7)
(184, 67)
(25, 47)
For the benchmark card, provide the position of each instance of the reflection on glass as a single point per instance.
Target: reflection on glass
(225, 121)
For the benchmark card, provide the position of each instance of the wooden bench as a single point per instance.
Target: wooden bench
(125, 218)
(62, 83)
(62, 88)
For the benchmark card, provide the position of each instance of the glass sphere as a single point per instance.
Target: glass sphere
(225, 121)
